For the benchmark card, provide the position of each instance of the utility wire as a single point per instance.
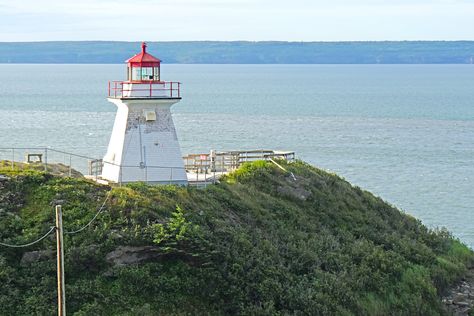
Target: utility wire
(101, 208)
(54, 228)
(31, 243)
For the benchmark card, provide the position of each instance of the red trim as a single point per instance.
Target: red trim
(116, 89)
(143, 64)
(144, 59)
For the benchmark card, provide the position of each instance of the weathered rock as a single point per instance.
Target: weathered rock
(295, 187)
(298, 193)
(125, 255)
(460, 299)
(36, 256)
(116, 234)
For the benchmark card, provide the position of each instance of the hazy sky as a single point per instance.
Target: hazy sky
(295, 20)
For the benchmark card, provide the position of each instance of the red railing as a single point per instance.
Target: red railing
(151, 89)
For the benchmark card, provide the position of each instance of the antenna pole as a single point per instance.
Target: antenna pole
(60, 261)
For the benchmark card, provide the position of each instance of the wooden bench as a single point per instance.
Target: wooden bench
(33, 158)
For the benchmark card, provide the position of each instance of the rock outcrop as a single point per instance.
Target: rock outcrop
(125, 255)
(460, 299)
(35, 256)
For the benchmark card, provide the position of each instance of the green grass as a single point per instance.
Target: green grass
(258, 243)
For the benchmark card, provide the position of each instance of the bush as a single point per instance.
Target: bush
(258, 243)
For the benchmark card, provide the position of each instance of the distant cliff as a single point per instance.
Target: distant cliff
(209, 52)
(260, 242)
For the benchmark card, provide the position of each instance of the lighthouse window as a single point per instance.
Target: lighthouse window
(147, 73)
(156, 73)
(136, 73)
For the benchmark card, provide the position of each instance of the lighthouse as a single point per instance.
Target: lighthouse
(144, 145)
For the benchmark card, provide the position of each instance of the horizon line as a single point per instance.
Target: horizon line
(237, 41)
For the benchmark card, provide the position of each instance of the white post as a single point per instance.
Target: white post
(46, 159)
(70, 165)
(120, 175)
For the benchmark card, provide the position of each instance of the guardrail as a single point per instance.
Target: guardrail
(228, 161)
(144, 89)
(44, 157)
(202, 169)
(70, 164)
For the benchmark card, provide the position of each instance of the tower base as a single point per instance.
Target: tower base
(144, 146)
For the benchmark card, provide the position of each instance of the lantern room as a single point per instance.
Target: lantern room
(144, 80)
(143, 67)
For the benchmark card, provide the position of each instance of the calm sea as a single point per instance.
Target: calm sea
(404, 132)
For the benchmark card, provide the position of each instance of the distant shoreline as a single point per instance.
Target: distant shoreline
(242, 52)
(253, 64)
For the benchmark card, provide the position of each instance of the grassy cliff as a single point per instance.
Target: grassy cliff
(258, 243)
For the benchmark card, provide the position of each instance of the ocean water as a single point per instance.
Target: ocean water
(404, 132)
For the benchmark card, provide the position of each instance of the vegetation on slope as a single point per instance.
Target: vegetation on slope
(243, 52)
(258, 243)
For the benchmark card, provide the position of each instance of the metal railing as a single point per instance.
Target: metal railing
(144, 89)
(200, 169)
(228, 161)
(45, 158)
(75, 165)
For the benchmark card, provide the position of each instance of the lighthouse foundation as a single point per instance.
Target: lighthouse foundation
(144, 145)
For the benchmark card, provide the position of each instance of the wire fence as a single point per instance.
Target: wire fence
(30, 243)
(101, 208)
(65, 162)
(53, 228)
(75, 165)
(198, 169)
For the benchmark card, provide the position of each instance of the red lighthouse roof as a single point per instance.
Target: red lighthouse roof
(143, 59)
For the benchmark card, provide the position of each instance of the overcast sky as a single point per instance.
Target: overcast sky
(293, 20)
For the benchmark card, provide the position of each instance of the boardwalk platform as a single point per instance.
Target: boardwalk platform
(205, 168)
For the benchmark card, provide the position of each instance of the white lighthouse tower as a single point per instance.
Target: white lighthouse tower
(144, 145)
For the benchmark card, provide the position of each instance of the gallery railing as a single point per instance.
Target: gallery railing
(140, 89)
